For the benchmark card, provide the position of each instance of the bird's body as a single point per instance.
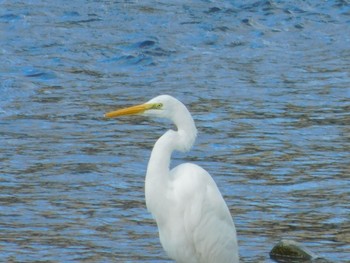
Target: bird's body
(194, 226)
(194, 222)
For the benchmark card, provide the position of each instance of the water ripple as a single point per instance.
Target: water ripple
(266, 81)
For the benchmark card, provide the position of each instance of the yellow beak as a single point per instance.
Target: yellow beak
(130, 110)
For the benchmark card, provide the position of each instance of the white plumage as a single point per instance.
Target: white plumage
(194, 222)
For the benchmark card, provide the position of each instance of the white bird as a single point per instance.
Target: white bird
(194, 222)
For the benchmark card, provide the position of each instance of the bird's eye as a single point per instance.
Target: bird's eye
(157, 106)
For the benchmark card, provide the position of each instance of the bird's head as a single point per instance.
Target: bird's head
(165, 106)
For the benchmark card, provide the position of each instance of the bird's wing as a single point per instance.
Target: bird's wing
(206, 219)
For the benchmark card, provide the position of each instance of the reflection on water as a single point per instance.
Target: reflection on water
(268, 86)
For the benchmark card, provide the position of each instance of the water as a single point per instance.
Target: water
(267, 83)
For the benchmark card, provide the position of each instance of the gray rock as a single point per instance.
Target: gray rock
(289, 251)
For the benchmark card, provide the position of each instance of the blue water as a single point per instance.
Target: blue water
(266, 81)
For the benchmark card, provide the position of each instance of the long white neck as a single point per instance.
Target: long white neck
(158, 170)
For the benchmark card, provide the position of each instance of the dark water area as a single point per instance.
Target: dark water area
(267, 83)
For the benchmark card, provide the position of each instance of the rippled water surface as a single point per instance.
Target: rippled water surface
(266, 81)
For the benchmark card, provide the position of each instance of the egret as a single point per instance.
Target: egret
(194, 222)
